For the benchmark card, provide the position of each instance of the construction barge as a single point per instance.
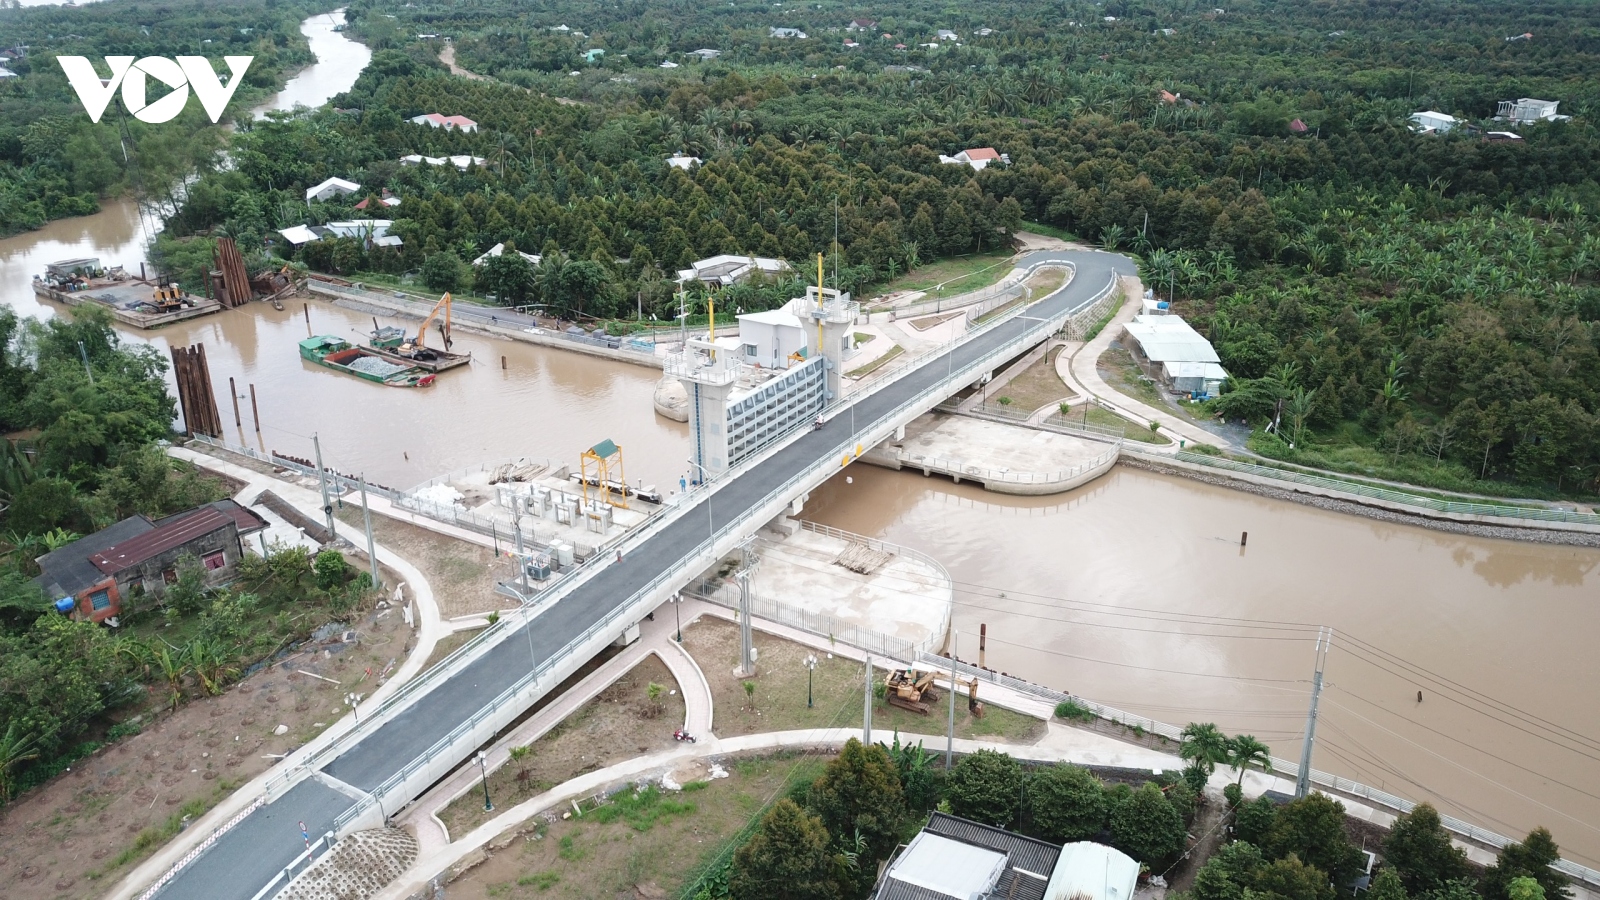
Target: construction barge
(132, 301)
(338, 354)
(391, 342)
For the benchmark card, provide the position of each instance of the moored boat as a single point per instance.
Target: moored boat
(340, 355)
(391, 343)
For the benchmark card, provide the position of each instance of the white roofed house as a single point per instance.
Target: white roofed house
(794, 33)
(945, 34)
(1528, 110)
(333, 187)
(679, 161)
(533, 258)
(726, 269)
(1169, 348)
(1430, 122)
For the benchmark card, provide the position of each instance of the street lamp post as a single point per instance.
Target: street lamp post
(811, 666)
(352, 700)
(483, 769)
(677, 616)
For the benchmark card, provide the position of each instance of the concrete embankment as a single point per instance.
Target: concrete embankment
(494, 323)
(1487, 526)
(1006, 459)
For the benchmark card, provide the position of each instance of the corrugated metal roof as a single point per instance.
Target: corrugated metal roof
(65, 571)
(246, 521)
(1026, 858)
(1094, 872)
(160, 539)
(1170, 339)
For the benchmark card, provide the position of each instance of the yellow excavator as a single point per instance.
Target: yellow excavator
(915, 690)
(395, 341)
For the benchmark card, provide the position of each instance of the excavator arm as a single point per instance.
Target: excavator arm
(422, 333)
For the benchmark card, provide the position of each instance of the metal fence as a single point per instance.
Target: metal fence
(1333, 783)
(1447, 507)
(849, 633)
(339, 483)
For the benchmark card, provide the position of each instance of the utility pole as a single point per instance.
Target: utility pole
(747, 661)
(322, 482)
(366, 518)
(950, 735)
(866, 706)
(1302, 783)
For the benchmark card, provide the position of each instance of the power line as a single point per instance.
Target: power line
(1508, 789)
(1107, 662)
(1445, 684)
(1486, 714)
(1469, 746)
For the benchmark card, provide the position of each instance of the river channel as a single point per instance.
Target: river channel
(1132, 590)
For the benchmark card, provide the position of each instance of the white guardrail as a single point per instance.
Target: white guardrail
(817, 472)
(306, 857)
(1335, 783)
(826, 463)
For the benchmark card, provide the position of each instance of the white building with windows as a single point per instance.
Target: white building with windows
(1527, 110)
(770, 338)
(1431, 122)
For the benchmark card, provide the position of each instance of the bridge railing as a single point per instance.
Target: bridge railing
(673, 574)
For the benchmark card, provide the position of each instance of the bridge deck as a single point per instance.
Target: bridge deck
(245, 858)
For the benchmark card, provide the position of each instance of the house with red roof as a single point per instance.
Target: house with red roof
(979, 158)
(448, 123)
(94, 576)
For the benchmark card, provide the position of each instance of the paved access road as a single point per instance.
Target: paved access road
(245, 858)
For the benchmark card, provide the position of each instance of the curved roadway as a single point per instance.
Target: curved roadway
(258, 848)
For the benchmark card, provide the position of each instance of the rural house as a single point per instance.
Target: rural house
(99, 572)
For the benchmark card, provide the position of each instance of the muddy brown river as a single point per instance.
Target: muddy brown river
(1132, 590)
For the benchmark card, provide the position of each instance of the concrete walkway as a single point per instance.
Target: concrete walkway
(655, 637)
(1079, 371)
(427, 623)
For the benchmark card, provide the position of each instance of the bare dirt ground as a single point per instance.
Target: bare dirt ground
(645, 856)
(462, 575)
(779, 701)
(617, 725)
(1038, 385)
(75, 836)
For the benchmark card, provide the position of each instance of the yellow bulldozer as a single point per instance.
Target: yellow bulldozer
(916, 690)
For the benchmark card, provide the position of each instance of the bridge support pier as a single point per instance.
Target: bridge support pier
(799, 503)
(900, 433)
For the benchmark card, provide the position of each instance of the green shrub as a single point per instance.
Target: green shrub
(1075, 711)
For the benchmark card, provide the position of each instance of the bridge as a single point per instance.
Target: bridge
(445, 715)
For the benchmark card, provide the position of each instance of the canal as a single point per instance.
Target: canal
(1132, 590)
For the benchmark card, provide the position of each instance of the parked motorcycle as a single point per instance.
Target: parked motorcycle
(681, 735)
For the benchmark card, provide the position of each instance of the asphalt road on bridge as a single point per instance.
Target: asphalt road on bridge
(247, 857)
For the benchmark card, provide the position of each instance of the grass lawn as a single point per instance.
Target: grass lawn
(648, 844)
(949, 277)
(619, 724)
(1119, 370)
(1037, 386)
(779, 701)
(1048, 231)
(1046, 281)
(878, 363)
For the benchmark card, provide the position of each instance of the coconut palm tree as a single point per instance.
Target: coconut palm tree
(16, 748)
(1245, 751)
(1203, 745)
